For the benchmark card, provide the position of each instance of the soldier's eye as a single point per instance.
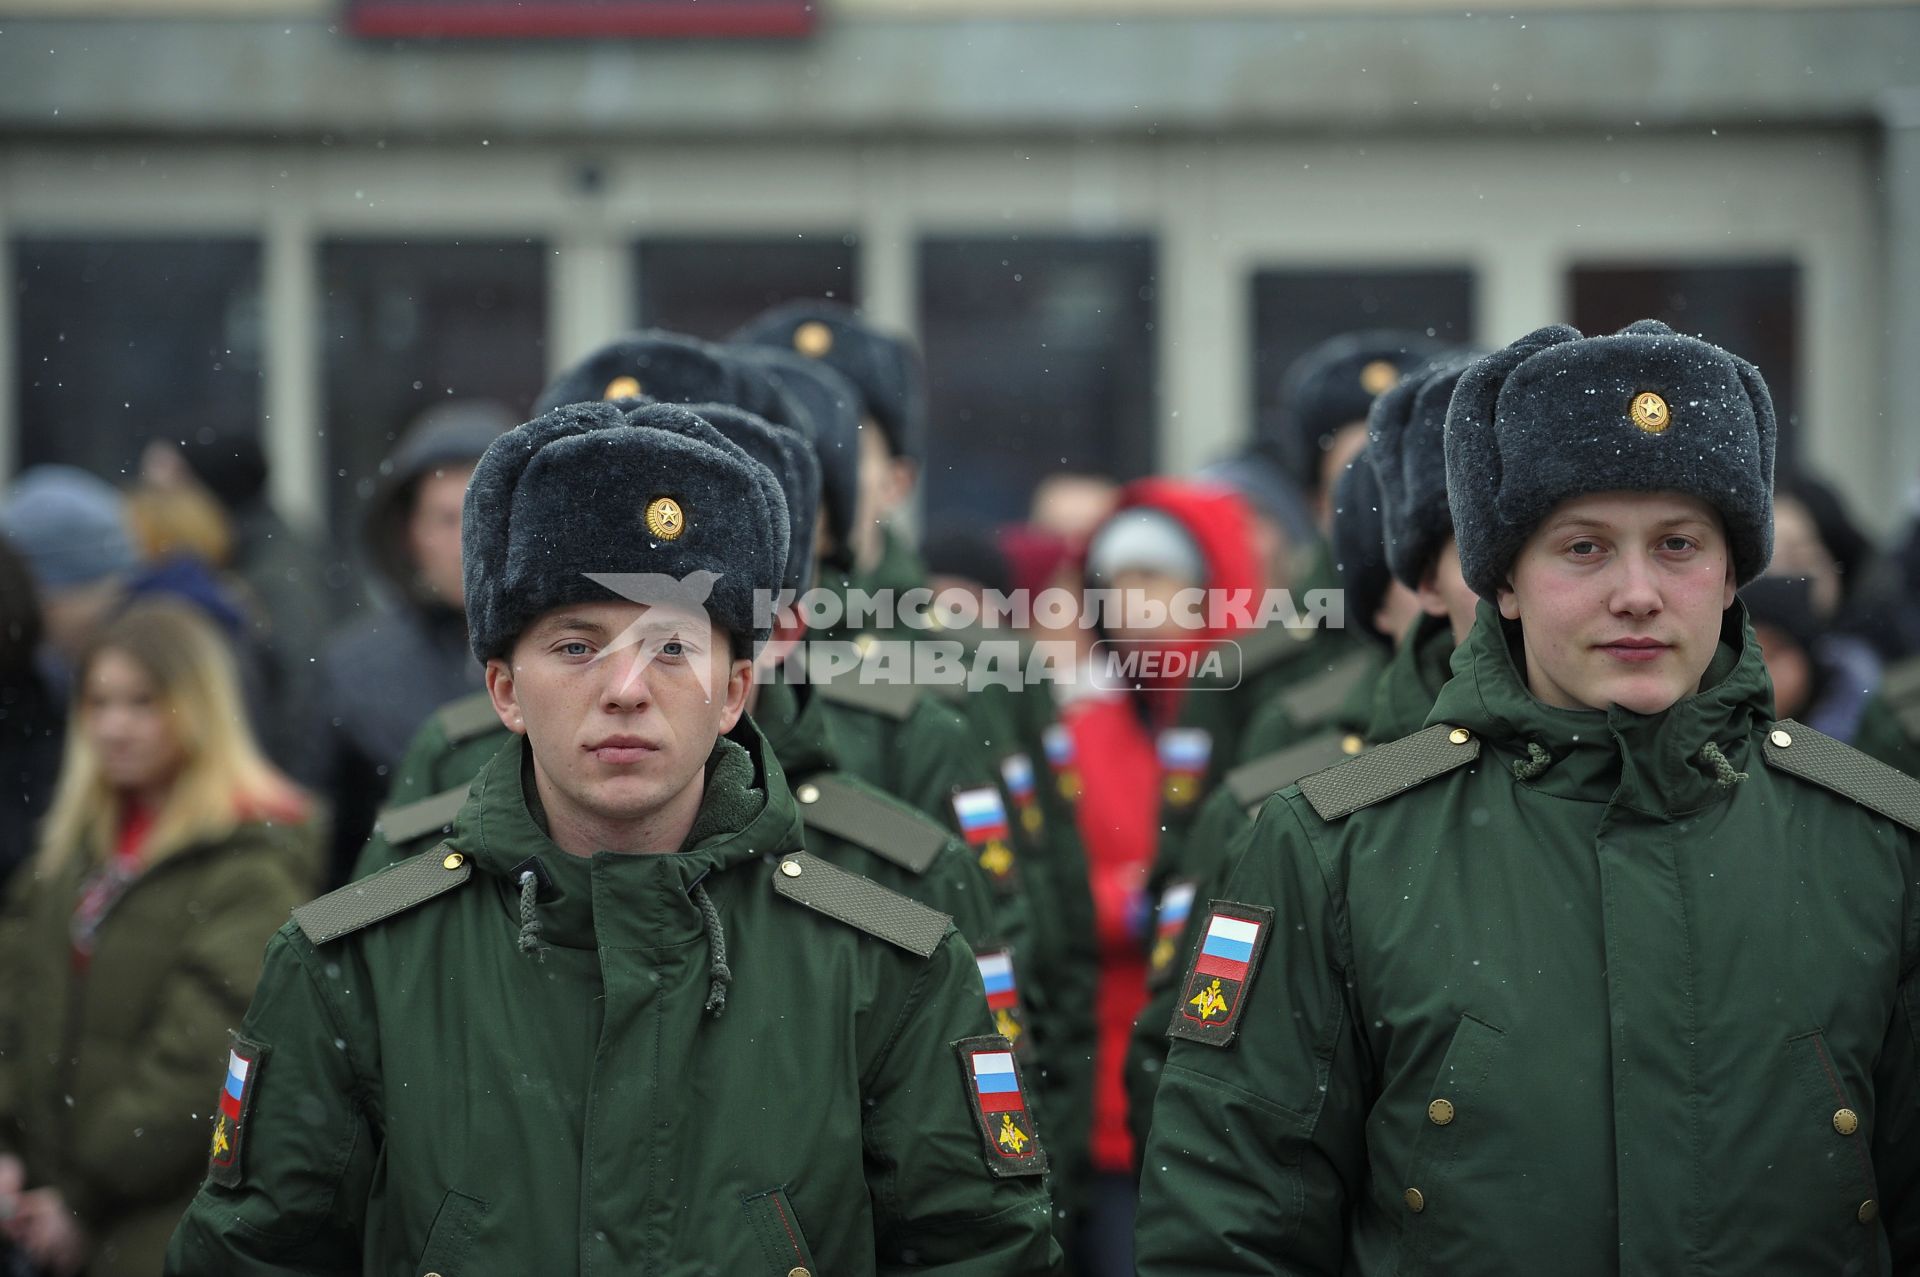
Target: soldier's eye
(575, 648)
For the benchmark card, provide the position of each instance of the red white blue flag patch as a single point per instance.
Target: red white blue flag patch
(1224, 964)
(244, 1061)
(1003, 998)
(1184, 755)
(1062, 761)
(982, 818)
(1000, 1106)
(1016, 772)
(1176, 906)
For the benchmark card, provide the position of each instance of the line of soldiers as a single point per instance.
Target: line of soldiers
(1503, 929)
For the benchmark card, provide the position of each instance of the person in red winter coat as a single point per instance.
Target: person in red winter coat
(1166, 536)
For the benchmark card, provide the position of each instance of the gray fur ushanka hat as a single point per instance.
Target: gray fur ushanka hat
(1406, 444)
(1333, 385)
(587, 489)
(789, 458)
(885, 368)
(1359, 546)
(1557, 415)
(833, 409)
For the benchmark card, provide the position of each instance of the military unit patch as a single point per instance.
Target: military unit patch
(1000, 1107)
(1184, 754)
(1170, 920)
(1209, 1006)
(1003, 998)
(1060, 758)
(1016, 771)
(244, 1059)
(983, 823)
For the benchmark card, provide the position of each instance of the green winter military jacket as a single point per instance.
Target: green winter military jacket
(1398, 699)
(1646, 1006)
(103, 1075)
(734, 1060)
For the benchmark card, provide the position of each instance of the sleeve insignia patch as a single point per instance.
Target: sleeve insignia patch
(983, 824)
(1060, 759)
(1170, 920)
(1184, 754)
(1003, 998)
(1016, 771)
(1209, 1006)
(244, 1061)
(1000, 1107)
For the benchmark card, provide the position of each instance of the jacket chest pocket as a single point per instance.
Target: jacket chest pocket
(1829, 1109)
(450, 1240)
(776, 1230)
(1456, 1108)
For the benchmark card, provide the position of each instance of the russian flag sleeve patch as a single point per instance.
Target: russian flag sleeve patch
(1224, 964)
(244, 1061)
(1000, 1109)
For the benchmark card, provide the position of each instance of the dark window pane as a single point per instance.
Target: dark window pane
(1041, 357)
(122, 340)
(709, 287)
(413, 323)
(1751, 308)
(1295, 310)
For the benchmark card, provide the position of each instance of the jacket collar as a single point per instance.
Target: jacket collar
(797, 728)
(1658, 765)
(624, 900)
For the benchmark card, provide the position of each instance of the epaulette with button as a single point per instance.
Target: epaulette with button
(408, 821)
(890, 830)
(466, 718)
(393, 890)
(1900, 689)
(1814, 756)
(1252, 783)
(1389, 769)
(861, 903)
(1315, 699)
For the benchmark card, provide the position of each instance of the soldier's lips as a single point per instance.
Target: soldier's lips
(619, 751)
(1636, 651)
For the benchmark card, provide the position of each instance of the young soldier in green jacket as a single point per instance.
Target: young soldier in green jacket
(1604, 970)
(620, 1020)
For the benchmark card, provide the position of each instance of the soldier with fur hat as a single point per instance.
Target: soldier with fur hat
(696, 1046)
(1604, 969)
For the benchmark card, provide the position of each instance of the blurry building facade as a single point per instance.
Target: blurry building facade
(1111, 224)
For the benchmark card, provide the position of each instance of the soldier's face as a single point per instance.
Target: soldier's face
(621, 704)
(1619, 597)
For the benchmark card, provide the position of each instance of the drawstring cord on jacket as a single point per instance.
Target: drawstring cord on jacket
(719, 975)
(1538, 760)
(1722, 769)
(1534, 764)
(529, 919)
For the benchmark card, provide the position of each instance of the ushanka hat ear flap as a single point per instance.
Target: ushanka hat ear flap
(1769, 429)
(1473, 455)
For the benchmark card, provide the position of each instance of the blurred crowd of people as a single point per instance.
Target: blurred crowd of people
(203, 713)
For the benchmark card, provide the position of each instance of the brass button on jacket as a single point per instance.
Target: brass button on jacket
(1417, 1201)
(1846, 1121)
(1440, 1112)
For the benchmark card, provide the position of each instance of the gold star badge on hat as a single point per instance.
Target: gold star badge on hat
(1378, 377)
(813, 339)
(621, 388)
(666, 521)
(1649, 412)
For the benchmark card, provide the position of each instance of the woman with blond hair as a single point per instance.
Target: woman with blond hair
(132, 942)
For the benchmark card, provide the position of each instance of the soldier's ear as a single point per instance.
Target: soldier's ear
(502, 691)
